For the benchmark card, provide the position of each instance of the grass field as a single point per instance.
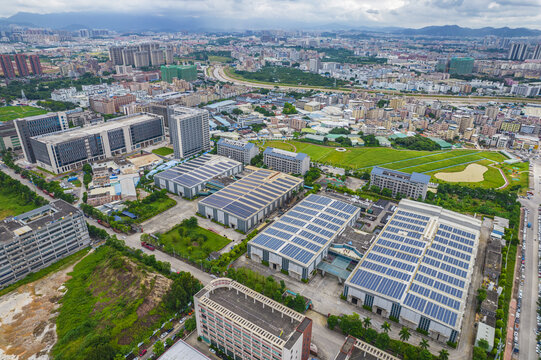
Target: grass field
(404, 160)
(221, 59)
(12, 205)
(163, 151)
(13, 112)
(194, 243)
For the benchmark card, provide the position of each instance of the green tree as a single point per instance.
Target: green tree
(367, 322)
(443, 355)
(382, 341)
(386, 327)
(479, 354)
(190, 324)
(168, 342)
(424, 344)
(404, 334)
(332, 321)
(158, 348)
(386, 192)
(483, 344)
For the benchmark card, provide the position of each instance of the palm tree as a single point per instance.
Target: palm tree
(367, 322)
(424, 344)
(386, 327)
(404, 334)
(444, 355)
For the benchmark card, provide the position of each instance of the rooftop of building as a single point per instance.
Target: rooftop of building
(35, 219)
(413, 177)
(307, 229)
(37, 117)
(253, 192)
(198, 170)
(240, 145)
(267, 318)
(355, 349)
(81, 132)
(182, 350)
(184, 111)
(289, 155)
(422, 259)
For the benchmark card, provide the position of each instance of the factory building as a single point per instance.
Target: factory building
(301, 238)
(237, 150)
(247, 325)
(414, 185)
(36, 239)
(286, 161)
(248, 201)
(419, 269)
(190, 178)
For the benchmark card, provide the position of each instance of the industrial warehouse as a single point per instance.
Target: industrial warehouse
(245, 203)
(419, 269)
(247, 325)
(300, 240)
(190, 177)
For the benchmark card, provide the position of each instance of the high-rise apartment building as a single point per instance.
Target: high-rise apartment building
(115, 55)
(537, 52)
(7, 66)
(461, 65)
(237, 150)
(38, 125)
(69, 150)
(518, 51)
(414, 185)
(169, 58)
(35, 65)
(128, 55)
(22, 66)
(141, 59)
(249, 326)
(36, 239)
(286, 161)
(156, 57)
(189, 130)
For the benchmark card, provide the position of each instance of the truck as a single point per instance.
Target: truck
(147, 246)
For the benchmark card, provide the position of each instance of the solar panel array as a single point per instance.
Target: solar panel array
(301, 233)
(199, 170)
(254, 192)
(429, 276)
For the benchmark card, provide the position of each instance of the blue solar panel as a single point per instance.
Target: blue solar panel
(415, 302)
(366, 279)
(319, 199)
(267, 241)
(391, 288)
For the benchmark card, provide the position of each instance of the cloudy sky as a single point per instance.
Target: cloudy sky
(402, 13)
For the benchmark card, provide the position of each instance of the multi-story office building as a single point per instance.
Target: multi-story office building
(38, 125)
(184, 72)
(286, 161)
(188, 130)
(518, 51)
(22, 66)
(247, 325)
(247, 202)
(239, 150)
(191, 177)
(7, 66)
(419, 269)
(35, 65)
(8, 136)
(461, 65)
(414, 185)
(38, 238)
(71, 149)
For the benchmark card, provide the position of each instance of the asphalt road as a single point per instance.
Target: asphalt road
(528, 322)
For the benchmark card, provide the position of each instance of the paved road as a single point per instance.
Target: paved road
(527, 335)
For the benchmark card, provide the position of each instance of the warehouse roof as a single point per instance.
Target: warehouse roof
(413, 177)
(289, 155)
(307, 229)
(254, 192)
(182, 350)
(80, 132)
(199, 170)
(423, 259)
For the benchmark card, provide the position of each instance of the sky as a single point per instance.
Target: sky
(401, 13)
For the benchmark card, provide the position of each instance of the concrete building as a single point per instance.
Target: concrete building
(355, 349)
(35, 65)
(414, 185)
(286, 161)
(182, 351)
(115, 55)
(69, 150)
(8, 136)
(36, 239)
(141, 59)
(156, 57)
(247, 325)
(300, 240)
(191, 177)
(189, 130)
(518, 51)
(419, 269)
(461, 65)
(184, 72)
(237, 150)
(22, 65)
(110, 105)
(38, 125)
(248, 201)
(7, 66)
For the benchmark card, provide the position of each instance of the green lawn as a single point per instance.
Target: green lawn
(11, 204)
(221, 59)
(163, 151)
(13, 112)
(195, 243)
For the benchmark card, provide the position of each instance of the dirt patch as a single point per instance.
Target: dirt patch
(472, 173)
(27, 317)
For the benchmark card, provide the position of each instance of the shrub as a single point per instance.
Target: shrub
(265, 262)
(366, 307)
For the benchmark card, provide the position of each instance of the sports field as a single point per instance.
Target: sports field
(428, 162)
(13, 112)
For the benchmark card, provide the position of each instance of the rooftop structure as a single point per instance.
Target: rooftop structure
(245, 203)
(239, 150)
(300, 239)
(190, 177)
(414, 185)
(419, 269)
(182, 350)
(269, 329)
(355, 349)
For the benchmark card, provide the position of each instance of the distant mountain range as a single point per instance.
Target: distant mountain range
(145, 22)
